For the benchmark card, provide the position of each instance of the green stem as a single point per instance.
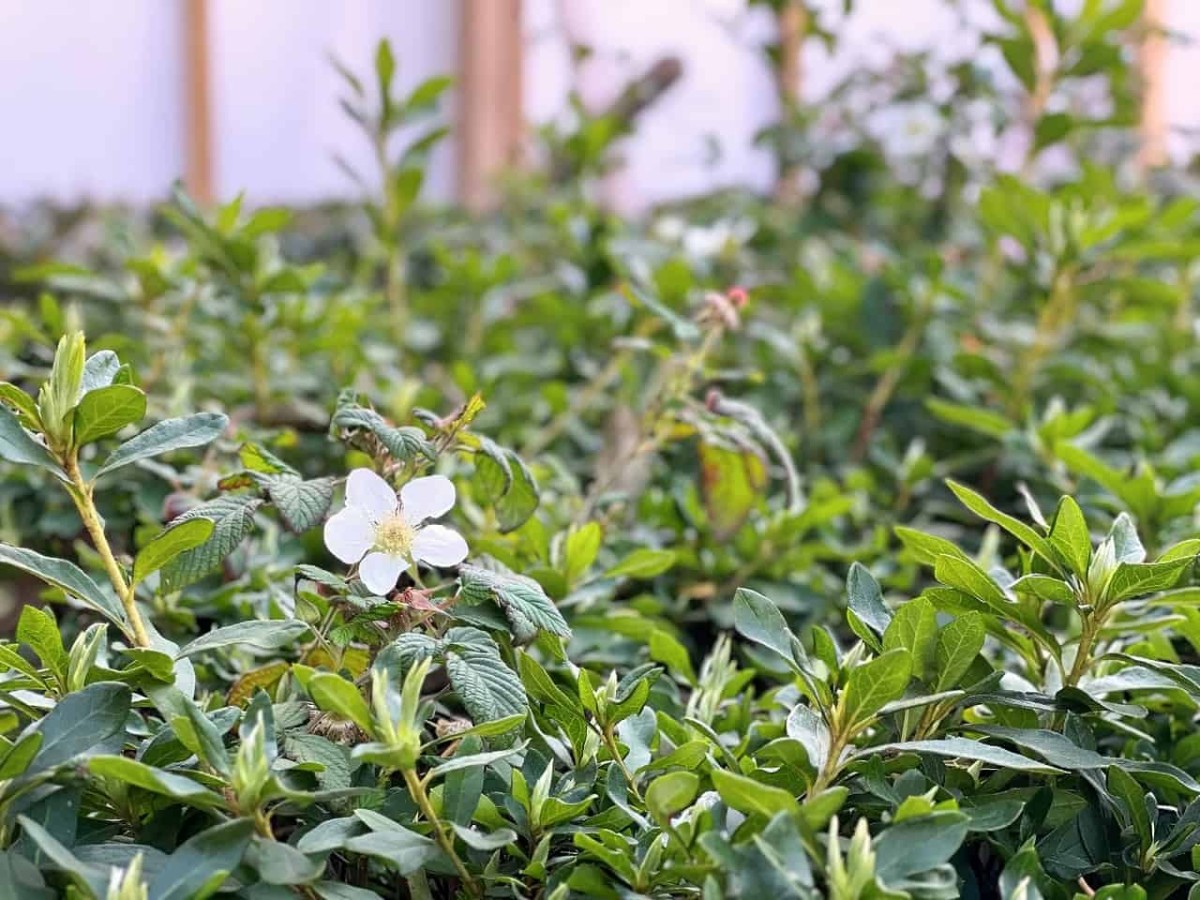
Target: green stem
(610, 744)
(81, 493)
(393, 287)
(418, 886)
(890, 380)
(832, 765)
(1054, 317)
(1083, 652)
(416, 788)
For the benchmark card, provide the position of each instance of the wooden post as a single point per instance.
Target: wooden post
(198, 160)
(490, 119)
(792, 22)
(1152, 153)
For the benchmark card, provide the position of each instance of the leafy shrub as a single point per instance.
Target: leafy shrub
(404, 554)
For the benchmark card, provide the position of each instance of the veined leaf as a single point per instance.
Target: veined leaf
(169, 544)
(106, 410)
(166, 437)
(233, 517)
(522, 599)
(65, 575)
(16, 446)
(873, 685)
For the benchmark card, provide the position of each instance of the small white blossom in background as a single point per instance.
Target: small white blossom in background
(386, 534)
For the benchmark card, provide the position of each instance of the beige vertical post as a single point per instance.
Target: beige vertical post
(198, 160)
(792, 23)
(490, 116)
(1151, 60)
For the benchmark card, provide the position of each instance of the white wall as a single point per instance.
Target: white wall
(275, 93)
(91, 88)
(88, 98)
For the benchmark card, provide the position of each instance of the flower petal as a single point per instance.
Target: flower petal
(380, 572)
(349, 534)
(440, 546)
(426, 498)
(371, 494)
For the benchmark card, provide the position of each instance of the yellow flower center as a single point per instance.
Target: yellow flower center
(394, 536)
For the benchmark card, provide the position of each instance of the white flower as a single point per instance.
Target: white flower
(386, 534)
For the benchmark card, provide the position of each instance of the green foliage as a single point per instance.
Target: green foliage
(874, 582)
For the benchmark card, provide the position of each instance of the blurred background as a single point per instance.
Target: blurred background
(111, 100)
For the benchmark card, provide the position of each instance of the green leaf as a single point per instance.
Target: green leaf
(333, 693)
(202, 863)
(385, 67)
(1127, 546)
(278, 863)
(106, 411)
(393, 844)
(1046, 587)
(404, 444)
(873, 685)
(732, 482)
(1123, 786)
(17, 758)
(487, 842)
(166, 437)
(926, 548)
(1050, 129)
(807, 726)
(914, 628)
(758, 619)
(302, 504)
(967, 577)
(521, 500)
(866, 598)
(522, 599)
(976, 418)
(64, 575)
(168, 544)
(79, 722)
(87, 879)
(474, 760)
(964, 748)
(60, 393)
(100, 370)
(643, 563)
(16, 446)
(751, 797)
(261, 636)
(1018, 529)
(22, 404)
(157, 781)
(671, 793)
(664, 648)
(233, 518)
(485, 685)
(1138, 579)
(37, 629)
(1070, 537)
(580, 550)
(196, 731)
(957, 646)
(917, 845)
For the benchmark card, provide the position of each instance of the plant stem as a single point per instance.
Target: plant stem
(832, 765)
(890, 380)
(1083, 652)
(610, 744)
(1054, 317)
(418, 886)
(416, 789)
(390, 216)
(81, 493)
